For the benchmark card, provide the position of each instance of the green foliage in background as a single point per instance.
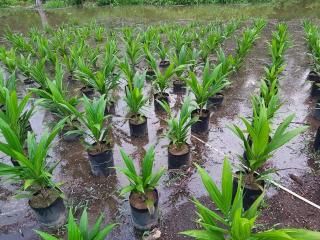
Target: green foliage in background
(64, 3)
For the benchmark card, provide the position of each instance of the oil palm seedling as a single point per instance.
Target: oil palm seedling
(19, 42)
(54, 99)
(128, 72)
(208, 87)
(149, 58)
(279, 44)
(259, 146)
(35, 173)
(259, 25)
(249, 36)
(245, 43)
(44, 50)
(228, 62)
(177, 133)
(127, 34)
(82, 230)
(8, 58)
(204, 50)
(103, 80)
(149, 36)
(17, 116)
(144, 196)
(219, 82)
(230, 28)
(162, 81)
(23, 65)
(70, 58)
(193, 57)
(232, 221)
(99, 34)
(96, 134)
(6, 86)
(134, 51)
(177, 39)
(92, 55)
(312, 33)
(272, 73)
(163, 53)
(38, 73)
(313, 38)
(214, 39)
(180, 59)
(61, 40)
(273, 105)
(136, 100)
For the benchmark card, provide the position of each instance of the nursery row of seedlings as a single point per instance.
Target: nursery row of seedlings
(30, 156)
(238, 203)
(312, 32)
(262, 140)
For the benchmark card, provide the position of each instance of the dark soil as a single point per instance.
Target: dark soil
(137, 120)
(44, 198)
(178, 151)
(284, 210)
(97, 149)
(138, 200)
(204, 113)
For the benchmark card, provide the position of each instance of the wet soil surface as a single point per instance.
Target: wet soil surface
(176, 187)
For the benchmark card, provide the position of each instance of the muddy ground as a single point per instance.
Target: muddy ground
(296, 161)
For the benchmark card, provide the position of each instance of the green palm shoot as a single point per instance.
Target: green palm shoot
(56, 96)
(34, 171)
(16, 115)
(93, 123)
(135, 98)
(82, 230)
(258, 146)
(231, 221)
(144, 182)
(179, 126)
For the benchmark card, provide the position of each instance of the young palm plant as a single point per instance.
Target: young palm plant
(134, 51)
(6, 86)
(260, 144)
(35, 172)
(181, 61)
(104, 80)
(178, 149)
(19, 42)
(24, 64)
(38, 73)
(96, 134)
(163, 53)
(232, 222)
(144, 196)
(82, 230)
(55, 98)
(17, 116)
(136, 100)
(203, 91)
(162, 81)
(8, 58)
